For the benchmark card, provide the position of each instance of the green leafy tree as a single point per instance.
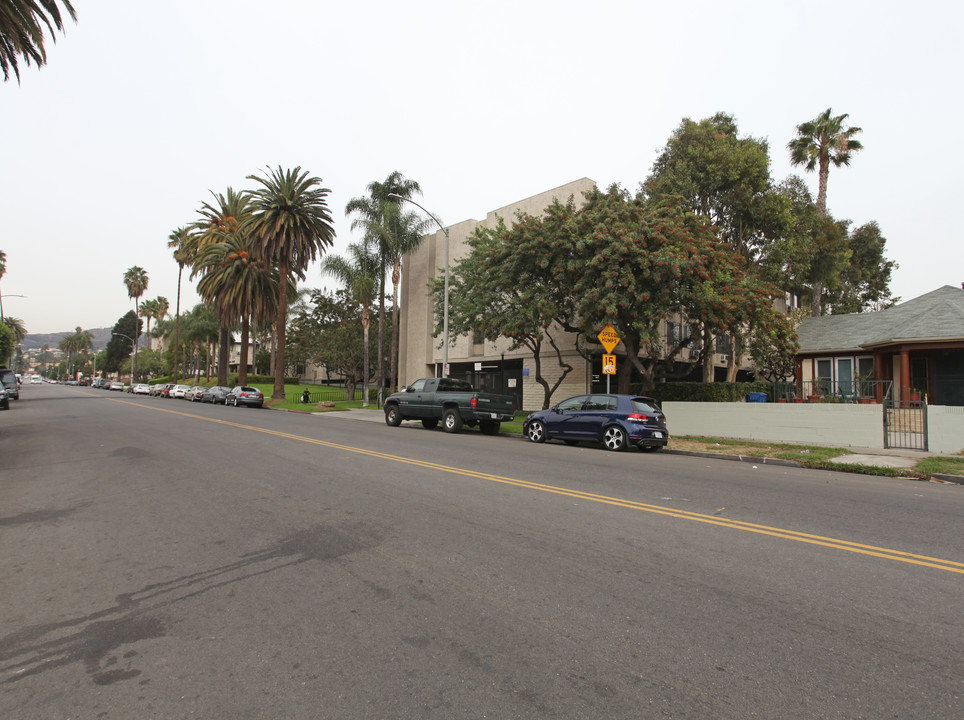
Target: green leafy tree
(7, 343)
(774, 347)
(292, 225)
(726, 179)
(637, 260)
(22, 36)
(865, 281)
(508, 286)
(335, 322)
(119, 347)
(824, 141)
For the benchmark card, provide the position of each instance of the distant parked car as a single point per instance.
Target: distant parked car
(163, 390)
(244, 395)
(101, 383)
(178, 391)
(215, 394)
(194, 394)
(117, 385)
(141, 389)
(4, 399)
(617, 421)
(9, 380)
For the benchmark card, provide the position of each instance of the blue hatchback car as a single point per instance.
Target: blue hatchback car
(616, 421)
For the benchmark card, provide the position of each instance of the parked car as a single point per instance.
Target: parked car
(215, 394)
(101, 383)
(616, 421)
(244, 395)
(9, 380)
(452, 401)
(194, 394)
(178, 391)
(163, 390)
(141, 389)
(4, 399)
(117, 385)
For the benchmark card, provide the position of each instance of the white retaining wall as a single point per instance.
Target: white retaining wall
(840, 424)
(945, 429)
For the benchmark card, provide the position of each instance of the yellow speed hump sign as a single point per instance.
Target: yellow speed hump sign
(609, 364)
(609, 338)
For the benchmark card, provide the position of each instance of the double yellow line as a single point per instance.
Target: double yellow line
(871, 550)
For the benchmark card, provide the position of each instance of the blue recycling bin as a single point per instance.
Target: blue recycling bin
(756, 397)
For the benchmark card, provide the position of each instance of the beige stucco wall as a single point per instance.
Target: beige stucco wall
(838, 424)
(945, 429)
(418, 351)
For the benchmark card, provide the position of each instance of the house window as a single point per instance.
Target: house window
(723, 343)
(845, 377)
(823, 375)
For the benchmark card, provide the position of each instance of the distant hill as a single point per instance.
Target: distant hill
(35, 341)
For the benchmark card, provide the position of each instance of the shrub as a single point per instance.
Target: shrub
(706, 392)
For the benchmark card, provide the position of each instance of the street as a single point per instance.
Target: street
(168, 559)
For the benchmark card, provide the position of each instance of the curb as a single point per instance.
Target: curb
(947, 479)
(738, 458)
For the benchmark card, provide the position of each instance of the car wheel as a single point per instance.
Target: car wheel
(490, 427)
(451, 421)
(393, 416)
(430, 423)
(536, 432)
(614, 437)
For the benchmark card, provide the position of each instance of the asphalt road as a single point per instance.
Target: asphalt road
(162, 559)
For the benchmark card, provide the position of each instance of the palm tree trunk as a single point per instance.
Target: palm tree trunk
(393, 372)
(177, 319)
(243, 363)
(365, 362)
(381, 335)
(279, 365)
(224, 347)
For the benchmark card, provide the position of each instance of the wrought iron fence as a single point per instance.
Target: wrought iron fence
(826, 390)
(336, 394)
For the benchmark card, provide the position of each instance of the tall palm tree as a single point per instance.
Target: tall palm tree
(369, 215)
(83, 342)
(148, 312)
(359, 274)
(136, 281)
(229, 215)
(180, 242)
(22, 25)
(292, 226)
(821, 142)
(238, 284)
(17, 326)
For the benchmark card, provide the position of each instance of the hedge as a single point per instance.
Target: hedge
(705, 392)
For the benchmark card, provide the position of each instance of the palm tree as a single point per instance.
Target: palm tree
(359, 275)
(180, 242)
(370, 215)
(136, 281)
(17, 326)
(401, 234)
(22, 31)
(820, 142)
(230, 215)
(148, 312)
(238, 285)
(83, 342)
(292, 225)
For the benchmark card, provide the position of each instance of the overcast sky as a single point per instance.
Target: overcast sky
(144, 108)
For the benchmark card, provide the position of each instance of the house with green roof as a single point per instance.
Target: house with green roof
(918, 345)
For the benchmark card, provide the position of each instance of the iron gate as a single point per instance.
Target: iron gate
(905, 420)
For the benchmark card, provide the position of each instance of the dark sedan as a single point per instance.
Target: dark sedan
(617, 421)
(244, 395)
(215, 394)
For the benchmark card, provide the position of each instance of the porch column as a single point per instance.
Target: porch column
(904, 371)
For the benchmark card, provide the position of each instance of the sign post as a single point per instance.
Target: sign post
(609, 339)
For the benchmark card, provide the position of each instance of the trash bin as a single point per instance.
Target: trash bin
(756, 397)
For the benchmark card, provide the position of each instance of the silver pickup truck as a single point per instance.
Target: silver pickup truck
(453, 402)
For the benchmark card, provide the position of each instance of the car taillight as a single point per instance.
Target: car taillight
(637, 416)
(474, 401)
